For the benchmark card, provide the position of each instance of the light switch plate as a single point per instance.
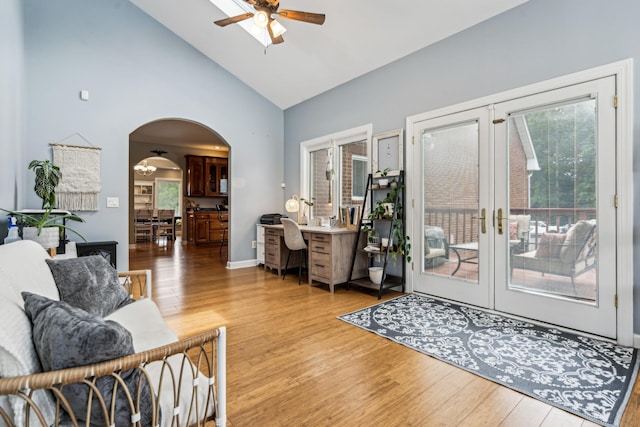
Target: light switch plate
(113, 202)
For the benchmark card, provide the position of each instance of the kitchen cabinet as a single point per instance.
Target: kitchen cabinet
(207, 176)
(195, 176)
(207, 227)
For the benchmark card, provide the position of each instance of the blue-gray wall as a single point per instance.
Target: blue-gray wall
(11, 106)
(538, 40)
(137, 71)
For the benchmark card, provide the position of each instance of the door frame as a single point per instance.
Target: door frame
(623, 72)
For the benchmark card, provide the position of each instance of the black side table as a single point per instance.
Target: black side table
(105, 249)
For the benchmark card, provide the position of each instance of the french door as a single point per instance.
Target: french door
(517, 206)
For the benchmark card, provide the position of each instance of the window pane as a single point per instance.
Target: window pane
(320, 185)
(353, 173)
(168, 195)
(359, 178)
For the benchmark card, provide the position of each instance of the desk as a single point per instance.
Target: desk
(329, 254)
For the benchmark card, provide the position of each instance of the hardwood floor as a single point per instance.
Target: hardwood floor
(290, 362)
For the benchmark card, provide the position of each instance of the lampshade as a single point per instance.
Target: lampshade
(261, 19)
(277, 28)
(293, 204)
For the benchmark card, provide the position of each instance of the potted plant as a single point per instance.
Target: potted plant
(44, 227)
(383, 181)
(48, 177)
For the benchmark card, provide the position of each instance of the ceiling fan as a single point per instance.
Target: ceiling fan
(263, 17)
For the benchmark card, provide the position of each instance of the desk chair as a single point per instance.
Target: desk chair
(295, 243)
(142, 224)
(223, 218)
(166, 225)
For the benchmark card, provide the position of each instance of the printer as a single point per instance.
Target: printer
(270, 219)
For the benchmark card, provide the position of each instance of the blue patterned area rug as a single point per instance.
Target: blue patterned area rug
(587, 377)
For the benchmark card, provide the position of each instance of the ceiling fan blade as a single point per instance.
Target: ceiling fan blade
(233, 19)
(312, 18)
(274, 40)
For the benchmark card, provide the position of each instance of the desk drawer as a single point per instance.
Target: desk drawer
(271, 259)
(323, 247)
(319, 237)
(270, 232)
(272, 240)
(321, 265)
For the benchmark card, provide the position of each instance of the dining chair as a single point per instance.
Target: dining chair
(142, 223)
(294, 241)
(166, 225)
(223, 218)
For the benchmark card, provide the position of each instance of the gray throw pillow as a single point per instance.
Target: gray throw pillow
(66, 337)
(89, 283)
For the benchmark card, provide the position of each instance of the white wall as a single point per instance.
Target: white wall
(536, 41)
(137, 71)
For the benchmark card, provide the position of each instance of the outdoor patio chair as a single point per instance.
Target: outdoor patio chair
(436, 246)
(567, 255)
(519, 233)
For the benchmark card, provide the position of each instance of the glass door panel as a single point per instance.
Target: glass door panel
(454, 194)
(557, 149)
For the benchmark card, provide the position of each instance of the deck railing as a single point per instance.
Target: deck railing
(461, 225)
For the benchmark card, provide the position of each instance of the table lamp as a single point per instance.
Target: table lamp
(293, 205)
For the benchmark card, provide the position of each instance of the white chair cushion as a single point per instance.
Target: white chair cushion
(23, 264)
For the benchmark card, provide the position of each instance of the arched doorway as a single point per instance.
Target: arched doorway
(167, 144)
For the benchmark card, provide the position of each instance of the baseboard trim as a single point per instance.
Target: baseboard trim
(636, 340)
(242, 264)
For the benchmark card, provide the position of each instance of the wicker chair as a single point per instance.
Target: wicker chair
(188, 379)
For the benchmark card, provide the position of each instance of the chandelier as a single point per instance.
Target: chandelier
(144, 169)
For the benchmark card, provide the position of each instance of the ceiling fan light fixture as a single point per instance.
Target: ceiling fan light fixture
(261, 19)
(277, 28)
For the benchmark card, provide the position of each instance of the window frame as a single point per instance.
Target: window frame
(332, 142)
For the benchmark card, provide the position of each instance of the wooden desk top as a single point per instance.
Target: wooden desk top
(314, 229)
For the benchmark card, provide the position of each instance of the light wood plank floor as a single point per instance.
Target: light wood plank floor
(292, 363)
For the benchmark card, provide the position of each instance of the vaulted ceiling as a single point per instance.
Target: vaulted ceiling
(358, 36)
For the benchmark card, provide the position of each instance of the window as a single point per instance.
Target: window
(168, 194)
(358, 177)
(334, 170)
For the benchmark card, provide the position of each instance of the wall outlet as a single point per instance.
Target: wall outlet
(113, 202)
(254, 244)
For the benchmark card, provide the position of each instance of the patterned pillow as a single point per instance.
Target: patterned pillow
(89, 283)
(513, 231)
(550, 245)
(66, 337)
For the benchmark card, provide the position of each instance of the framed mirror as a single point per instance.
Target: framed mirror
(387, 151)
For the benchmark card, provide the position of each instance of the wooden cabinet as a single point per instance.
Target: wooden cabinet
(195, 176)
(206, 227)
(216, 176)
(207, 176)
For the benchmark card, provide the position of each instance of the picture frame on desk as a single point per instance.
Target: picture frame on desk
(349, 217)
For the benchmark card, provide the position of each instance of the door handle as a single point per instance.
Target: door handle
(483, 218)
(500, 221)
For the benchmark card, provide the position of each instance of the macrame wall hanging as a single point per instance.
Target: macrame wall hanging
(80, 168)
